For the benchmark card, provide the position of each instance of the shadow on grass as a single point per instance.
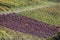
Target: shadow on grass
(57, 37)
(54, 0)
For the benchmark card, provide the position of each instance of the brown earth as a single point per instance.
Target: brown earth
(28, 25)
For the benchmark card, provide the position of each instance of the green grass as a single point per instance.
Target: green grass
(56, 37)
(8, 34)
(21, 4)
(49, 15)
(45, 15)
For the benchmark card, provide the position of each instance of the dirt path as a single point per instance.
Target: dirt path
(27, 25)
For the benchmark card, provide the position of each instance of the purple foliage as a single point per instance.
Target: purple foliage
(27, 25)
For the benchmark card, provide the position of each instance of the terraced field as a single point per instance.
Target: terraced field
(29, 19)
(22, 4)
(49, 15)
(28, 26)
(8, 34)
